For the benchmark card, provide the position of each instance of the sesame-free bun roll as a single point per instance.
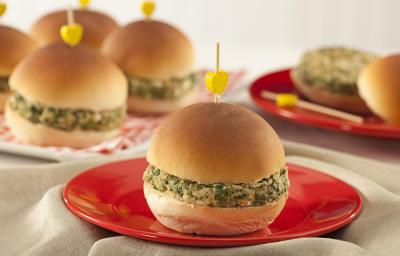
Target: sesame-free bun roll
(96, 27)
(66, 96)
(379, 86)
(210, 221)
(151, 49)
(216, 169)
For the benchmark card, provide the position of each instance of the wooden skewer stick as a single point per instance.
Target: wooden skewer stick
(217, 68)
(70, 15)
(317, 108)
(216, 96)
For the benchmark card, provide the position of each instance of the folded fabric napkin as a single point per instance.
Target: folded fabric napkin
(34, 220)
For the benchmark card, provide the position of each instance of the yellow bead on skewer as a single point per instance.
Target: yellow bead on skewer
(291, 100)
(84, 4)
(71, 33)
(286, 100)
(3, 8)
(148, 8)
(217, 82)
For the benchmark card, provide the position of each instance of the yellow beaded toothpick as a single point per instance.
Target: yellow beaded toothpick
(3, 8)
(217, 81)
(148, 9)
(285, 100)
(289, 100)
(72, 32)
(84, 4)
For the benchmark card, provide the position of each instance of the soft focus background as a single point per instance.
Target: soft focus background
(252, 27)
(260, 36)
(363, 23)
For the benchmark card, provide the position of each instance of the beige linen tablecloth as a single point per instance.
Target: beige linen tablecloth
(34, 220)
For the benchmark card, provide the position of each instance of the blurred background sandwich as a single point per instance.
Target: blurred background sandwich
(328, 76)
(97, 27)
(14, 46)
(379, 86)
(66, 96)
(158, 61)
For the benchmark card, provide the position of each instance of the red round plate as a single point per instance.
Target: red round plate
(111, 196)
(280, 82)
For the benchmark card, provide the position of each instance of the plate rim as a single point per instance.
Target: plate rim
(205, 241)
(378, 131)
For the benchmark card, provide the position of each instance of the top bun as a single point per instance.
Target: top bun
(150, 49)
(14, 45)
(96, 26)
(211, 143)
(379, 86)
(70, 77)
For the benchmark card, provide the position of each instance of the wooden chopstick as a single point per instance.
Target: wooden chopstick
(318, 108)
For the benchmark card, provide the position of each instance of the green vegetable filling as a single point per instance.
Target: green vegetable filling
(4, 84)
(162, 89)
(336, 69)
(222, 195)
(67, 119)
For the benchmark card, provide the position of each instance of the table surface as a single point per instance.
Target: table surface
(257, 60)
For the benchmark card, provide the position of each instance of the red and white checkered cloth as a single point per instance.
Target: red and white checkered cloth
(136, 131)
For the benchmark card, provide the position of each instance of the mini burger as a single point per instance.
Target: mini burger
(66, 96)
(328, 76)
(379, 86)
(95, 24)
(14, 46)
(216, 169)
(158, 60)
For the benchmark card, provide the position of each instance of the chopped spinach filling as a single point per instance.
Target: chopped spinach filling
(4, 84)
(162, 89)
(267, 190)
(335, 68)
(67, 119)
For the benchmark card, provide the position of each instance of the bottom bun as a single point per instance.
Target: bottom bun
(323, 96)
(159, 106)
(3, 99)
(202, 220)
(38, 134)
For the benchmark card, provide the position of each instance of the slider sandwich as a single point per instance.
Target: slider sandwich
(14, 46)
(328, 76)
(158, 60)
(97, 27)
(216, 169)
(379, 85)
(66, 96)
